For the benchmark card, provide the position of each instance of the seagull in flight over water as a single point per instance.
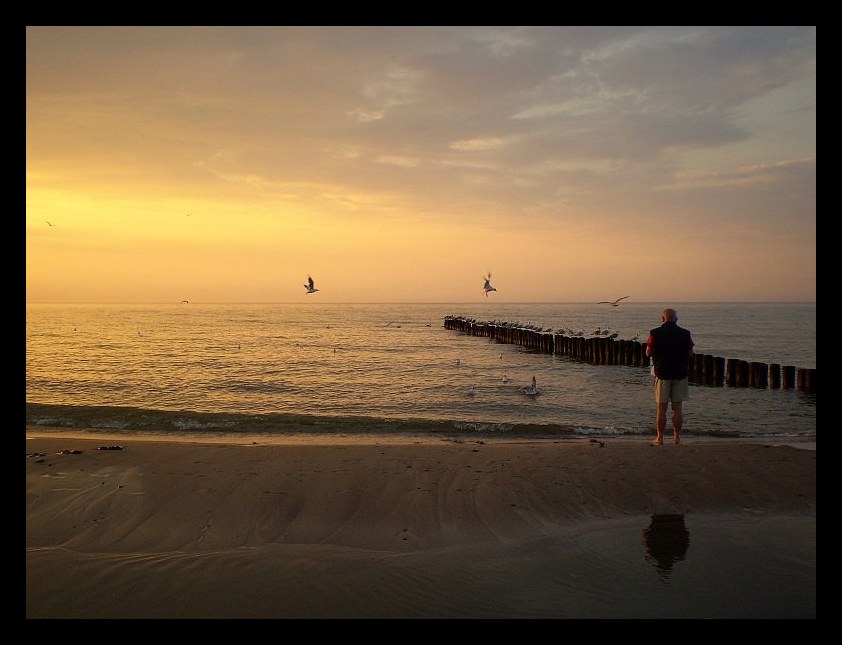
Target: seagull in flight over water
(613, 303)
(488, 286)
(309, 286)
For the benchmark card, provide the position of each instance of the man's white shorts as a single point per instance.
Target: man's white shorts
(667, 390)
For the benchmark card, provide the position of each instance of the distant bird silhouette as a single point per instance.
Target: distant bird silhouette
(49, 223)
(309, 286)
(488, 286)
(613, 303)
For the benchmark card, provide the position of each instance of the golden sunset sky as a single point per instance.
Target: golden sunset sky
(402, 164)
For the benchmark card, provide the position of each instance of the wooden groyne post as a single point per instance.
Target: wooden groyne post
(703, 369)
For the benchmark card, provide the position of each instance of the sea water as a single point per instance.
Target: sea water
(394, 369)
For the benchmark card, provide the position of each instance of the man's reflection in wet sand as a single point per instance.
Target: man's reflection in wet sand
(666, 540)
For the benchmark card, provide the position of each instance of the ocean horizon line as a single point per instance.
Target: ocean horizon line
(418, 302)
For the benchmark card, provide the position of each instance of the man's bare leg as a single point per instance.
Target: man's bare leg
(677, 420)
(660, 423)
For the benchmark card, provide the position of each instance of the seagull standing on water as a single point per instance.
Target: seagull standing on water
(613, 303)
(309, 286)
(531, 390)
(488, 286)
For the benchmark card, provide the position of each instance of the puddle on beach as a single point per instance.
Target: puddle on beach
(672, 566)
(689, 566)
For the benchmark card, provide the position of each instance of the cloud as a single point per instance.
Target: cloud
(479, 144)
(540, 129)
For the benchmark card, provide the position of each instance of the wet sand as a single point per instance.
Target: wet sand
(361, 527)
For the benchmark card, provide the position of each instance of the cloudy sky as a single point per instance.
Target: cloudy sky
(402, 164)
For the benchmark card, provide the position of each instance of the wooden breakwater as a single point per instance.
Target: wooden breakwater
(703, 369)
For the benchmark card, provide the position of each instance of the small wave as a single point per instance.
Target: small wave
(130, 420)
(495, 428)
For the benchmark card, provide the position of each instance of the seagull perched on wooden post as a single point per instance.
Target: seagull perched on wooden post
(488, 286)
(309, 286)
(613, 303)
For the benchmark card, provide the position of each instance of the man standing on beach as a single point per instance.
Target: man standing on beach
(670, 348)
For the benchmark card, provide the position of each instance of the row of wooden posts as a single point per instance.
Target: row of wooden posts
(703, 369)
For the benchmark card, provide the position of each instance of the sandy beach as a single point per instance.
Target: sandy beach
(364, 527)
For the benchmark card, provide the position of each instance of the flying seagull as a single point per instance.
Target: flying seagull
(613, 303)
(49, 223)
(309, 286)
(488, 286)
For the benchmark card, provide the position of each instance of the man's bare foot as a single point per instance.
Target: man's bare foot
(656, 443)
